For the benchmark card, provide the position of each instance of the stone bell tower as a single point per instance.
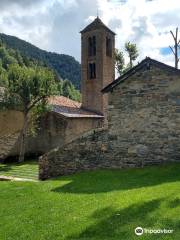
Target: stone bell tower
(98, 70)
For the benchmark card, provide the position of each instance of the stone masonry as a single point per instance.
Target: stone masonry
(144, 128)
(54, 131)
(10, 125)
(144, 117)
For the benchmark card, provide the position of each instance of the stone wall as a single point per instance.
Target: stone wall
(87, 152)
(50, 134)
(11, 123)
(54, 130)
(144, 117)
(144, 129)
(78, 126)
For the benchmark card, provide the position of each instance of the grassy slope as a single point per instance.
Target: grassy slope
(100, 205)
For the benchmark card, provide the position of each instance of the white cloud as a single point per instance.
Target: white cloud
(147, 23)
(55, 24)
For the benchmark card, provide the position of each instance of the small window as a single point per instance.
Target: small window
(108, 47)
(92, 46)
(92, 71)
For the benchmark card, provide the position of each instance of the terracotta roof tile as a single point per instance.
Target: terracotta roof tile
(64, 101)
(69, 108)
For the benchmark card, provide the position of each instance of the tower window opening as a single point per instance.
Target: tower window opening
(92, 70)
(92, 46)
(108, 47)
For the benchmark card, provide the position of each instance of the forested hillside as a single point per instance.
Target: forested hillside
(12, 62)
(64, 65)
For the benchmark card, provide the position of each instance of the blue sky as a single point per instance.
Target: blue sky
(165, 51)
(54, 25)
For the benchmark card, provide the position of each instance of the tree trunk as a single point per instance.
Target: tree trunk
(176, 55)
(23, 138)
(131, 63)
(175, 48)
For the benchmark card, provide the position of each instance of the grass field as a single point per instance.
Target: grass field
(27, 170)
(99, 205)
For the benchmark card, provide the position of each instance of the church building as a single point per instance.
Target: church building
(142, 108)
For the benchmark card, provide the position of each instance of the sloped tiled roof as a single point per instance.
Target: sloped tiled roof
(64, 101)
(146, 63)
(96, 24)
(69, 108)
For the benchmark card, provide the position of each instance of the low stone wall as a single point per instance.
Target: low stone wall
(86, 152)
(94, 150)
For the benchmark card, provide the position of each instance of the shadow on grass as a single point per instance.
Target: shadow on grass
(5, 168)
(112, 180)
(120, 224)
(174, 203)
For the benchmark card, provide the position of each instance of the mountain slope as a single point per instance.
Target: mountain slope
(64, 65)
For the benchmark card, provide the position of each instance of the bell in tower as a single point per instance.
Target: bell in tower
(97, 65)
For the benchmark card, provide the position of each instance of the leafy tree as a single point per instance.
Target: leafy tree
(132, 51)
(7, 58)
(120, 65)
(3, 75)
(27, 89)
(119, 61)
(69, 91)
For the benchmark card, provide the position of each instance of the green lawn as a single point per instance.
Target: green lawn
(99, 205)
(27, 170)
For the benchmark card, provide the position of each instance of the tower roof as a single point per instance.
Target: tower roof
(96, 24)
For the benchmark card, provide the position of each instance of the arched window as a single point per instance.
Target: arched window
(92, 71)
(108, 47)
(92, 46)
